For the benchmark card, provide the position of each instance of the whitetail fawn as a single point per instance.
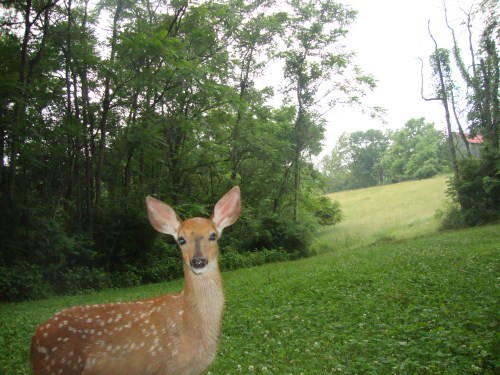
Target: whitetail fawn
(172, 334)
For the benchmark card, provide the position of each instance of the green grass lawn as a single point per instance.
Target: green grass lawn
(427, 305)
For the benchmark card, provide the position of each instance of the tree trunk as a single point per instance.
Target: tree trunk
(19, 106)
(88, 137)
(299, 125)
(443, 97)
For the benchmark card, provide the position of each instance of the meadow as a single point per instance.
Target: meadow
(385, 213)
(407, 300)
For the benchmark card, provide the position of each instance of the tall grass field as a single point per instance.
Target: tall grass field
(385, 213)
(419, 303)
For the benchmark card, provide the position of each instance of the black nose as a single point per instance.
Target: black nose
(198, 263)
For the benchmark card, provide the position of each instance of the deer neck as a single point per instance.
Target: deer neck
(204, 297)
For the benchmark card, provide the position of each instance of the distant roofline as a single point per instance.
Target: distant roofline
(478, 139)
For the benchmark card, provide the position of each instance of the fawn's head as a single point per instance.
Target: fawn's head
(197, 237)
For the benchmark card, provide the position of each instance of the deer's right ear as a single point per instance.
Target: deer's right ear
(162, 217)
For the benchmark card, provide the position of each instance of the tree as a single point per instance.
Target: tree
(163, 101)
(415, 152)
(482, 79)
(253, 47)
(313, 59)
(336, 166)
(476, 183)
(441, 71)
(367, 149)
(36, 21)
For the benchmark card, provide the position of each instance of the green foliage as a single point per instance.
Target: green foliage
(23, 281)
(477, 188)
(335, 166)
(367, 149)
(314, 62)
(450, 217)
(280, 232)
(328, 212)
(232, 260)
(167, 110)
(82, 279)
(440, 63)
(415, 152)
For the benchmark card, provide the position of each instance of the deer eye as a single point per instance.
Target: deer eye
(213, 237)
(182, 241)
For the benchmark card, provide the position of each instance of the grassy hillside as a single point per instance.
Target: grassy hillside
(427, 305)
(385, 213)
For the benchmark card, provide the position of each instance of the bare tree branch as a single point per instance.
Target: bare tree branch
(422, 83)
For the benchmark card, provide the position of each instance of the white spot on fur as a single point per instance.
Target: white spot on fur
(42, 350)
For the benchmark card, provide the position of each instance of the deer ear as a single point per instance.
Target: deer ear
(227, 210)
(162, 217)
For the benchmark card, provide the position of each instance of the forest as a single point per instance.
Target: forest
(105, 102)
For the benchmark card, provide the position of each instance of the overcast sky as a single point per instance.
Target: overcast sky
(388, 37)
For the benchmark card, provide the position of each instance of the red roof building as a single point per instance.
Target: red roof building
(475, 143)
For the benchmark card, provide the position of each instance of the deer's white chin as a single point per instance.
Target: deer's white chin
(201, 271)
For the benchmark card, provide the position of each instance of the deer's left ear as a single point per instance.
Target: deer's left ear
(227, 210)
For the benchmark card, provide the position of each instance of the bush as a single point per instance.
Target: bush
(328, 212)
(450, 217)
(231, 260)
(277, 231)
(124, 236)
(82, 279)
(165, 261)
(477, 189)
(164, 269)
(23, 281)
(128, 277)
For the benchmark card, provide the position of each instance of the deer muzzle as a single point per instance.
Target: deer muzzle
(198, 262)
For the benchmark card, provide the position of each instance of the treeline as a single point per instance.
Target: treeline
(368, 158)
(101, 106)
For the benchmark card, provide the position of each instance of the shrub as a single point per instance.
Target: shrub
(128, 277)
(477, 189)
(164, 269)
(275, 255)
(23, 281)
(82, 279)
(450, 217)
(164, 261)
(328, 211)
(231, 259)
(278, 231)
(124, 236)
